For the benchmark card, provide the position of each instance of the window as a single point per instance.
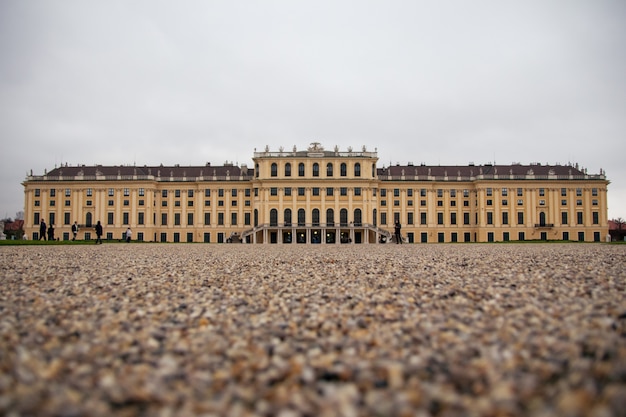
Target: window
(490, 202)
(489, 192)
(439, 192)
(594, 202)
(344, 169)
(505, 217)
(315, 191)
(383, 218)
(163, 219)
(110, 218)
(329, 169)
(301, 217)
(452, 193)
(233, 219)
(409, 192)
(466, 218)
(505, 192)
(452, 218)
(274, 170)
(220, 219)
(396, 192)
(357, 217)
(233, 192)
(316, 169)
(343, 217)
(247, 192)
(357, 170)
(563, 192)
(564, 218)
(579, 202)
(190, 219)
(300, 191)
(383, 192)
(409, 218)
(330, 217)
(343, 191)
(220, 192)
(315, 217)
(273, 191)
(38, 192)
(190, 193)
(288, 191)
(579, 217)
(520, 217)
(423, 203)
(176, 219)
(520, 202)
(396, 203)
(190, 203)
(542, 202)
(207, 218)
(357, 191)
(126, 202)
(423, 218)
(176, 193)
(505, 202)
(207, 192)
(329, 191)
(287, 169)
(246, 219)
(595, 218)
(140, 218)
(125, 218)
(563, 202)
(465, 193)
(90, 192)
(423, 192)
(111, 192)
(439, 218)
(142, 192)
(542, 192)
(594, 192)
(520, 192)
(287, 217)
(579, 192)
(301, 169)
(489, 217)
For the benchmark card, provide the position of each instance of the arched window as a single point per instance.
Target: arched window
(542, 218)
(88, 220)
(301, 169)
(274, 172)
(273, 217)
(343, 217)
(287, 217)
(330, 217)
(344, 169)
(329, 169)
(357, 217)
(316, 169)
(287, 169)
(316, 217)
(357, 170)
(256, 217)
(301, 217)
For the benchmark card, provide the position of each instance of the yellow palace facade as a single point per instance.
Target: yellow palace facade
(320, 196)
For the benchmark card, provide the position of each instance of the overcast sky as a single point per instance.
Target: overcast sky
(189, 82)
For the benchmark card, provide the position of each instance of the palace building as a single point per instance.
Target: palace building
(320, 196)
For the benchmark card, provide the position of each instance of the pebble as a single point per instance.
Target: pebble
(306, 330)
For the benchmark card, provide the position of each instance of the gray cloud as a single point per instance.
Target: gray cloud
(449, 82)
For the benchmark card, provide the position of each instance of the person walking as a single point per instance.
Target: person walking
(42, 230)
(98, 233)
(129, 235)
(398, 233)
(74, 230)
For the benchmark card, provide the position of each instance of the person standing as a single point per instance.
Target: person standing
(398, 233)
(129, 235)
(51, 232)
(74, 230)
(98, 233)
(42, 230)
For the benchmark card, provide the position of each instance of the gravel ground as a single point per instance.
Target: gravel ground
(300, 330)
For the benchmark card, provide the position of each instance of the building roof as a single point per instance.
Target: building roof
(157, 170)
(476, 170)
